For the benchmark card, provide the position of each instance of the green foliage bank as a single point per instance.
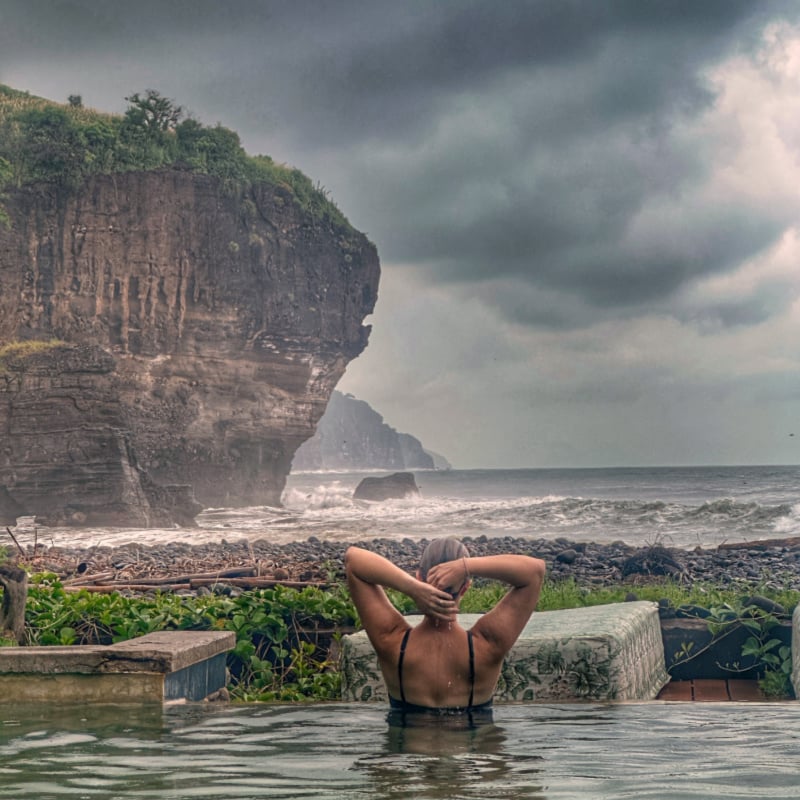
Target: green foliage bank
(285, 637)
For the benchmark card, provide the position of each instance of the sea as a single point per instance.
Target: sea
(681, 507)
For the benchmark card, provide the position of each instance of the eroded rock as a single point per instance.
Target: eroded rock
(187, 336)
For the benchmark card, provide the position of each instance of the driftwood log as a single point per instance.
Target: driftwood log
(190, 584)
(12, 612)
(792, 543)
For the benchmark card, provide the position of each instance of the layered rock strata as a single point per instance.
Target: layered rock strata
(159, 331)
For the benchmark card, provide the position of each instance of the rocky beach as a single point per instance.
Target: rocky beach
(179, 566)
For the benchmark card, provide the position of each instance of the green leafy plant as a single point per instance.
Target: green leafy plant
(684, 653)
(773, 656)
(761, 650)
(283, 636)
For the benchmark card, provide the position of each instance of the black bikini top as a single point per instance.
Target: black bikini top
(403, 705)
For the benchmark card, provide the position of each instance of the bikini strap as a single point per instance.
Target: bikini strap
(400, 663)
(471, 668)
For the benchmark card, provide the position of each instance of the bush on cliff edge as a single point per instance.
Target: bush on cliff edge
(63, 144)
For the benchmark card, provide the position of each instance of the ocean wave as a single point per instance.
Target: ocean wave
(333, 495)
(599, 519)
(789, 525)
(329, 511)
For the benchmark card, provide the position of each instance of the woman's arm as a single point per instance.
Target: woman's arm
(502, 625)
(368, 573)
(518, 571)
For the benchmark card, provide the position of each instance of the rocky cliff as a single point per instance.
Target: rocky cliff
(352, 435)
(159, 330)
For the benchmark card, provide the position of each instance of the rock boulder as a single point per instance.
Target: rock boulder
(395, 486)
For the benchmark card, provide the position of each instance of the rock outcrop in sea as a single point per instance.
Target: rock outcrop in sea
(388, 487)
(167, 343)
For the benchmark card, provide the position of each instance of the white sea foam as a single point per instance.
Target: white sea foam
(789, 525)
(679, 507)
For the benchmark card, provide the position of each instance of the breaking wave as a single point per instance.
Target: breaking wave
(674, 508)
(588, 519)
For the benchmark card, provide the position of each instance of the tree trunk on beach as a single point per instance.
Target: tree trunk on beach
(15, 593)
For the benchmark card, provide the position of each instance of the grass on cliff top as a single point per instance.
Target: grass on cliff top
(22, 349)
(14, 102)
(63, 143)
(25, 349)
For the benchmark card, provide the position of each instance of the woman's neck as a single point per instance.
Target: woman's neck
(440, 625)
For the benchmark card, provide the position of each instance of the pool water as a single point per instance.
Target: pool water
(637, 750)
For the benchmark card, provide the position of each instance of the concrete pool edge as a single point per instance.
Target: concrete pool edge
(164, 666)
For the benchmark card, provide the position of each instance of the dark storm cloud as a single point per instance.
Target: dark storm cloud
(379, 68)
(527, 141)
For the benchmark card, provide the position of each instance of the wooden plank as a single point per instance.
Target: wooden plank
(742, 690)
(707, 690)
(676, 690)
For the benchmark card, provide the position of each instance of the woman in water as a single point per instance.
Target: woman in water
(437, 665)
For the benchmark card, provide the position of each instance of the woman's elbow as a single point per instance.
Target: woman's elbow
(538, 569)
(351, 557)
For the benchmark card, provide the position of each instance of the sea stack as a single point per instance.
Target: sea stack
(167, 341)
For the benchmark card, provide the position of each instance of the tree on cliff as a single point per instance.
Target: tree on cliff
(147, 132)
(153, 112)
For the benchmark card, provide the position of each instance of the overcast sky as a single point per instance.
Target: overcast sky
(586, 210)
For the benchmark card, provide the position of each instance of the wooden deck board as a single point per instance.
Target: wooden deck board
(712, 691)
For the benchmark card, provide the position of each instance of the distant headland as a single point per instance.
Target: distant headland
(353, 436)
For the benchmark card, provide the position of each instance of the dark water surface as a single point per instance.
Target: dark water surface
(647, 750)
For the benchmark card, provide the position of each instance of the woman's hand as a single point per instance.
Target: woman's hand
(449, 576)
(434, 602)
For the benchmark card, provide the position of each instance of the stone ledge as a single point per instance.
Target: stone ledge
(175, 649)
(609, 652)
(165, 665)
(162, 651)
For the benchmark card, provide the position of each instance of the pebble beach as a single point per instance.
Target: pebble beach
(774, 564)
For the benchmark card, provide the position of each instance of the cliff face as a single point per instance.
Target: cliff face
(199, 336)
(352, 435)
